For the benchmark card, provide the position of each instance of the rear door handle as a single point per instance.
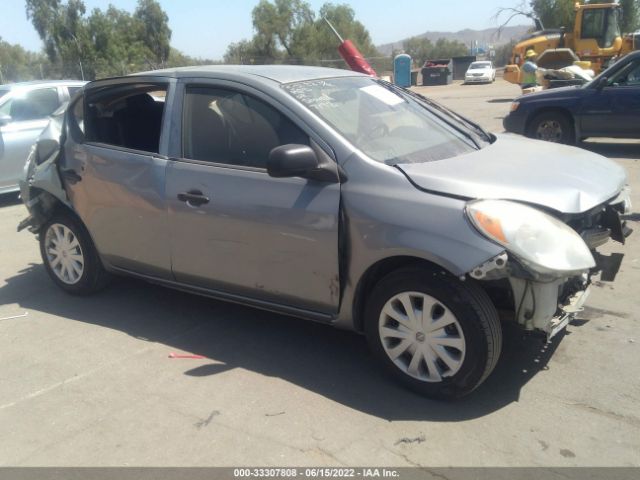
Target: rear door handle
(71, 176)
(194, 198)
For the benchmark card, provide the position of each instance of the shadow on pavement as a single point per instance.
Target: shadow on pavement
(333, 363)
(614, 150)
(500, 100)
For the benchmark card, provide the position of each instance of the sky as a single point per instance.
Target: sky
(204, 28)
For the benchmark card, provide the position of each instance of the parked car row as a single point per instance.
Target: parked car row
(327, 195)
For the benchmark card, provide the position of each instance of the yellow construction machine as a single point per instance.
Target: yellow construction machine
(596, 40)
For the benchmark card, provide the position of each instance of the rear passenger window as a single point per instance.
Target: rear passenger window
(228, 127)
(127, 116)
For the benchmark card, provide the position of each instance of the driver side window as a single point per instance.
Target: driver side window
(232, 128)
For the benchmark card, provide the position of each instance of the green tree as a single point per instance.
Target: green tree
(242, 52)
(630, 15)
(555, 13)
(63, 30)
(419, 49)
(503, 53)
(422, 49)
(289, 31)
(277, 23)
(18, 64)
(153, 29)
(343, 18)
(104, 43)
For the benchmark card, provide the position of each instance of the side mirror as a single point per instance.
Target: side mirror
(4, 120)
(292, 161)
(601, 83)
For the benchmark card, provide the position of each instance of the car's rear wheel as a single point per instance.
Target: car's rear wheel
(435, 334)
(552, 127)
(70, 257)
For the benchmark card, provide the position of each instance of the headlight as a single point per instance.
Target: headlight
(541, 242)
(514, 106)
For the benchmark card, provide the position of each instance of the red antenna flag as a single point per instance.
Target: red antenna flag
(350, 53)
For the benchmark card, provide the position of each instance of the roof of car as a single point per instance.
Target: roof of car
(277, 73)
(41, 83)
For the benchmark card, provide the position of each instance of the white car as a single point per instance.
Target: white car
(480, 72)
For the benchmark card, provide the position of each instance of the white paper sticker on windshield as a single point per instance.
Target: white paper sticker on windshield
(383, 95)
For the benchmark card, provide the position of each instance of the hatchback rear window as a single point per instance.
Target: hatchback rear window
(127, 116)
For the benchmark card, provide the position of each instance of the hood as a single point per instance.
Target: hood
(562, 178)
(479, 70)
(561, 92)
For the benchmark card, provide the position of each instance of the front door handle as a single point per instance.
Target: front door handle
(71, 176)
(193, 198)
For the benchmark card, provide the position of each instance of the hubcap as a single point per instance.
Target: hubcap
(64, 253)
(550, 131)
(422, 336)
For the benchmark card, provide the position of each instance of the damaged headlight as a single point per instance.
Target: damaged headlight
(539, 241)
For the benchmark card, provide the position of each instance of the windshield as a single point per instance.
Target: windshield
(3, 92)
(387, 125)
(480, 65)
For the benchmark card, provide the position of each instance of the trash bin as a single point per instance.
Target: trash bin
(402, 70)
(437, 72)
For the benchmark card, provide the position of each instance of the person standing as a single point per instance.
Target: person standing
(529, 70)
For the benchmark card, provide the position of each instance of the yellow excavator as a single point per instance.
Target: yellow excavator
(596, 40)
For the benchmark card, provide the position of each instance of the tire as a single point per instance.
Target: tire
(552, 127)
(70, 257)
(474, 337)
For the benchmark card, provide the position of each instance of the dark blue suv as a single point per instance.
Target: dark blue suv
(608, 106)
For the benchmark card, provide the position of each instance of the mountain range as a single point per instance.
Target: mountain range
(488, 36)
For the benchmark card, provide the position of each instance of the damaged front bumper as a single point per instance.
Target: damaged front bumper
(549, 307)
(547, 303)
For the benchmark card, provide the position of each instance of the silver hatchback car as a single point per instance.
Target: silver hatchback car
(24, 113)
(330, 196)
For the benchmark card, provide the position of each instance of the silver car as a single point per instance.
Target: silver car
(330, 196)
(24, 113)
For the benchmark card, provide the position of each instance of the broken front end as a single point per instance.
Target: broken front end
(544, 274)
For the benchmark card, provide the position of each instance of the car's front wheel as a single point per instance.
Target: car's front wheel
(434, 333)
(70, 257)
(552, 127)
